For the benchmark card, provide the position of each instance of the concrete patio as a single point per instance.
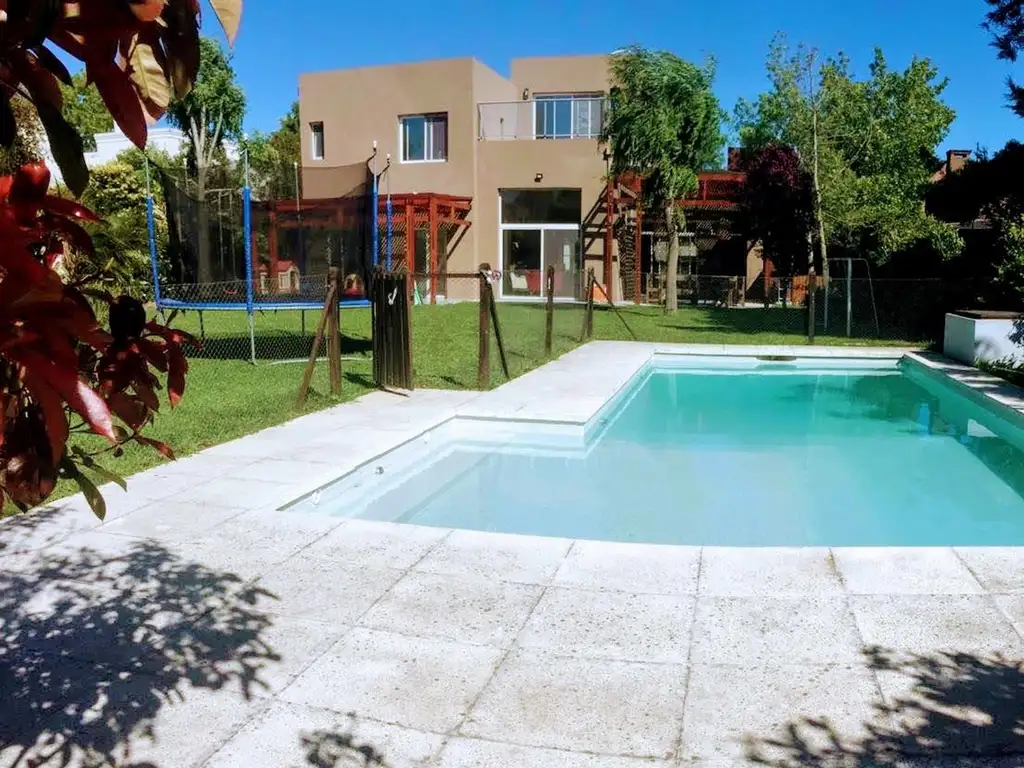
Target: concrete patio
(200, 626)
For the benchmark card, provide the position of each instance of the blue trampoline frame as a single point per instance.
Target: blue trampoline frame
(251, 306)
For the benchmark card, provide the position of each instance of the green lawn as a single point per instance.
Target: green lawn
(227, 397)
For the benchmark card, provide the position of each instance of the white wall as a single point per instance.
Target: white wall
(969, 339)
(110, 145)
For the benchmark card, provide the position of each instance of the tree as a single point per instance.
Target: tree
(274, 157)
(85, 110)
(869, 146)
(26, 145)
(60, 371)
(663, 123)
(120, 259)
(1005, 21)
(210, 113)
(778, 203)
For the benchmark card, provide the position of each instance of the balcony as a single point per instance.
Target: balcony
(554, 117)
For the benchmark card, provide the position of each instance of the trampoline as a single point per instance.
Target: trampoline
(231, 253)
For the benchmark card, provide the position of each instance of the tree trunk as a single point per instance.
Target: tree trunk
(672, 268)
(821, 234)
(811, 288)
(205, 254)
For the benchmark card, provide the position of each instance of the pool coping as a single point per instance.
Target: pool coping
(219, 508)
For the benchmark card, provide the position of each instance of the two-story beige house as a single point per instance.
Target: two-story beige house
(524, 150)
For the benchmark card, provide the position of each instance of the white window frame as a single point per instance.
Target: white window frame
(576, 100)
(317, 124)
(427, 138)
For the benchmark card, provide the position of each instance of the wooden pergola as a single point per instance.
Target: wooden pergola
(717, 196)
(410, 212)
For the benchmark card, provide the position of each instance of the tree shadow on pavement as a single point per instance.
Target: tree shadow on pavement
(95, 642)
(953, 706)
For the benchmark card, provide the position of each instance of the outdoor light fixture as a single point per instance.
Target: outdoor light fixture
(538, 178)
(526, 94)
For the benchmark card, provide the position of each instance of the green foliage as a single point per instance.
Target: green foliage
(876, 137)
(1011, 267)
(273, 158)
(215, 107)
(663, 122)
(117, 194)
(27, 141)
(1005, 20)
(85, 111)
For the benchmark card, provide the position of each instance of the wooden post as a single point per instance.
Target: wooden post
(334, 332)
(609, 235)
(638, 248)
(410, 244)
(483, 371)
(549, 286)
(307, 376)
(588, 309)
(432, 248)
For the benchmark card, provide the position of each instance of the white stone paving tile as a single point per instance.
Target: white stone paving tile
(595, 705)
(170, 520)
(293, 735)
(931, 623)
(739, 711)
(641, 568)
(204, 465)
(474, 753)
(325, 590)
(371, 542)
(422, 683)
(253, 543)
(999, 569)
(772, 572)
(904, 570)
(613, 625)
(241, 494)
(754, 631)
(459, 608)
(187, 727)
(526, 559)
(285, 471)
(288, 645)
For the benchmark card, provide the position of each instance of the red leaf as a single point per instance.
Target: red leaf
(122, 101)
(130, 411)
(76, 393)
(178, 367)
(162, 448)
(53, 414)
(69, 209)
(155, 353)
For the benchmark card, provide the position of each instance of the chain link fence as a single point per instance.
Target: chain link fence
(445, 324)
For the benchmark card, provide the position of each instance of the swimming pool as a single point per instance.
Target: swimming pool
(728, 452)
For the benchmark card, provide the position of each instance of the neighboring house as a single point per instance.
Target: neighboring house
(955, 160)
(110, 145)
(519, 153)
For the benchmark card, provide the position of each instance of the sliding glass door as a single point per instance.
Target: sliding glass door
(540, 228)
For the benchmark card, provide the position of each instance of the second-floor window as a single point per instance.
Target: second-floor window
(424, 138)
(317, 142)
(568, 116)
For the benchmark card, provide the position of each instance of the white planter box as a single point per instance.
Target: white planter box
(984, 336)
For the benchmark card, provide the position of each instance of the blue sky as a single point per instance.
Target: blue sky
(278, 40)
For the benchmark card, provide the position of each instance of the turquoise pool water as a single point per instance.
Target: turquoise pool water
(772, 456)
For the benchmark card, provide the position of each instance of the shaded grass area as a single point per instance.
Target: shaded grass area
(228, 397)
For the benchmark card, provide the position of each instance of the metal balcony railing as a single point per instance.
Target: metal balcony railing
(554, 117)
